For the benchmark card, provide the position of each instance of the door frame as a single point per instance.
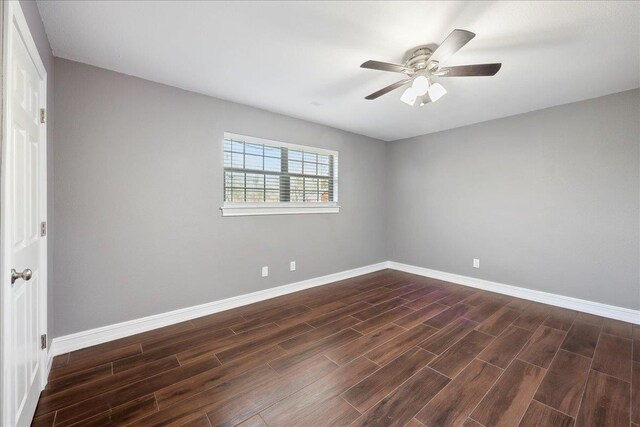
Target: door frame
(12, 14)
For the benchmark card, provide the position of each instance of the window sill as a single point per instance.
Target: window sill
(247, 209)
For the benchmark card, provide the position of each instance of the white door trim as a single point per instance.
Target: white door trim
(12, 15)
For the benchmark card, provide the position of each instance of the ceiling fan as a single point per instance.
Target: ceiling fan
(424, 63)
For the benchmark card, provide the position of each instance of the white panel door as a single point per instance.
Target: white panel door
(23, 210)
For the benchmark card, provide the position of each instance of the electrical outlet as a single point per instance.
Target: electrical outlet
(292, 266)
(476, 263)
(265, 271)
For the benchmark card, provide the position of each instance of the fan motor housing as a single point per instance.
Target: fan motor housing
(418, 59)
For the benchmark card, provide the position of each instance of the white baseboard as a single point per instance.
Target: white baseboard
(103, 334)
(604, 310)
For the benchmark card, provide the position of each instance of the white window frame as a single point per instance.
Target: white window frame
(282, 208)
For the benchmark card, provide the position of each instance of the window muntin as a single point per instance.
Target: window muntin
(271, 173)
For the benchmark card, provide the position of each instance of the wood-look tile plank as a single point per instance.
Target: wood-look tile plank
(178, 390)
(542, 346)
(613, 356)
(482, 312)
(255, 421)
(210, 347)
(202, 421)
(582, 339)
(449, 315)
(392, 294)
(169, 349)
(79, 378)
(420, 315)
(606, 402)
(60, 360)
(393, 348)
(271, 317)
(328, 413)
(268, 394)
(540, 415)
(98, 359)
(365, 296)
(261, 343)
(414, 423)
(591, 319)
(532, 317)
(635, 393)
(564, 382)
(223, 403)
(420, 292)
(428, 299)
(45, 420)
(454, 403)
(482, 298)
(447, 336)
(506, 402)
(499, 321)
(473, 423)
(304, 339)
(560, 318)
(185, 339)
(294, 359)
(306, 401)
(372, 389)
(457, 295)
(380, 308)
(310, 315)
(401, 405)
(120, 415)
(358, 347)
(337, 314)
(459, 355)
(378, 321)
(617, 327)
(505, 347)
(519, 304)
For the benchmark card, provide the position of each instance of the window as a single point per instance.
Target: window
(263, 177)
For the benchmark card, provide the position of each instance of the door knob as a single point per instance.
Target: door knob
(25, 275)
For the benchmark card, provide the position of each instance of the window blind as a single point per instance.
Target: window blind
(270, 172)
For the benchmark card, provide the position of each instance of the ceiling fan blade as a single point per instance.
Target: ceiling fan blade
(387, 89)
(384, 66)
(469, 70)
(453, 43)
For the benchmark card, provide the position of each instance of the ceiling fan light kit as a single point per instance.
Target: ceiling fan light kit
(424, 64)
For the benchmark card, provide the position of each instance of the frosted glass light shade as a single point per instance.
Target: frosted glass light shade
(436, 91)
(420, 85)
(409, 96)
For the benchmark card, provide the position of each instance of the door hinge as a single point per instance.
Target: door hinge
(43, 341)
(43, 228)
(43, 116)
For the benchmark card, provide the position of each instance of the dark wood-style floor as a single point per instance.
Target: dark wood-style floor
(386, 349)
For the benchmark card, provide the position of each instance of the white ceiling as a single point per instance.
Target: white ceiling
(302, 58)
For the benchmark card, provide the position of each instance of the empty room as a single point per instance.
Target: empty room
(320, 213)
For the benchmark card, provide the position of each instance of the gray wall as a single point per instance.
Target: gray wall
(548, 200)
(138, 189)
(36, 27)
